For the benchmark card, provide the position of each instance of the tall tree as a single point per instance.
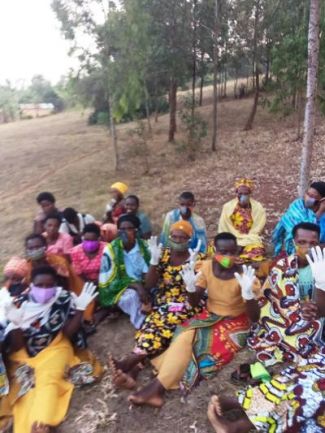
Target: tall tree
(215, 75)
(313, 62)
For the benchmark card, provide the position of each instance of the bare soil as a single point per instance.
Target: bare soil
(63, 155)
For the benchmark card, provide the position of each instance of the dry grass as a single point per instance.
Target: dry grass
(63, 155)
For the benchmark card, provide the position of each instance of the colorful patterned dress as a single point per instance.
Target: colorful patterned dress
(242, 221)
(170, 309)
(293, 401)
(281, 333)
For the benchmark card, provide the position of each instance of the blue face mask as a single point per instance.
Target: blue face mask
(244, 199)
(123, 236)
(310, 202)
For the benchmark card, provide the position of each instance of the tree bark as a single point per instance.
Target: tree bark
(194, 59)
(215, 78)
(202, 80)
(256, 76)
(313, 63)
(172, 109)
(113, 133)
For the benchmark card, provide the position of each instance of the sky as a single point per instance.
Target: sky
(30, 42)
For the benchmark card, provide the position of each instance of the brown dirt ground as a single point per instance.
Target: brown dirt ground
(63, 155)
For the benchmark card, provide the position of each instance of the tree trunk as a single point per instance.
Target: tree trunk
(146, 96)
(202, 80)
(113, 133)
(256, 77)
(194, 59)
(250, 121)
(313, 62)
(215, 78)
(172, 109)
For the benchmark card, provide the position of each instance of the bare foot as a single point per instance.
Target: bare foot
(123, 380)
(219, 424)
(39, 427)
(127, 364)
(215, 400)
(150, 395)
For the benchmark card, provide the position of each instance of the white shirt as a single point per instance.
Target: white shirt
(84, 219)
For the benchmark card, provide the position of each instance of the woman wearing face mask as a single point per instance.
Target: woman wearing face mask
(86, 257)
(310, 208)
(209, 340)
(123, 267)
(37, 255)
(287, 329)
(170, 305)
(43, 339)
(15, 275)
(245, 218)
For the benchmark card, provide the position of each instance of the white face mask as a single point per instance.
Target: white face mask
(244, 199)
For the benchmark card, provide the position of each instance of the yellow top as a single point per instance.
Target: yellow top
(259, 220)
(224, 296)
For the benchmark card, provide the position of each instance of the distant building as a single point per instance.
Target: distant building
(28, 111)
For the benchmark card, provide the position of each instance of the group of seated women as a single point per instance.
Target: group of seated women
(193, 305)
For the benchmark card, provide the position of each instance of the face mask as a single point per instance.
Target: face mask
(310, 202)
(226, 262)
(123, 236)
(90, 246)
(185, 210)
(16, 289)
(36, 254)
(244, 199)
(176, 246)
(42, 295)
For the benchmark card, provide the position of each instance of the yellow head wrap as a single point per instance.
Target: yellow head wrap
(244, 182)
(183, 225)
(120, 186)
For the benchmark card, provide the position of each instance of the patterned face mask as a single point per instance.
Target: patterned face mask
(226, 262)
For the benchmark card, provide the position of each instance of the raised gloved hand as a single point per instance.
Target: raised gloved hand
(155, 250)
(317, 264)
(14, 315)
(246, 282)
(87, 295)
(189, 277)
(195, 252)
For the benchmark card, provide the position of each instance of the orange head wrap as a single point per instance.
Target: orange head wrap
(183, 225)
(17, 266)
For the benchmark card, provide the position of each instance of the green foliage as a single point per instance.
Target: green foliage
(195, 126)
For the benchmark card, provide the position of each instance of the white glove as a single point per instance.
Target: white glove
(155, 250)
(189, 277)
(110, 205)
(194, 253)
(87, 295)
(14, 315)
(246, 282)
(317, 264)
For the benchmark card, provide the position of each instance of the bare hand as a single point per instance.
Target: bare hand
(309, 311)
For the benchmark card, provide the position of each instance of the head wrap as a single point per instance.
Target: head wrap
(17, 266)
(120, 186)
(183, 225)
(319, 187)
(244, 182)
(133, 219)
